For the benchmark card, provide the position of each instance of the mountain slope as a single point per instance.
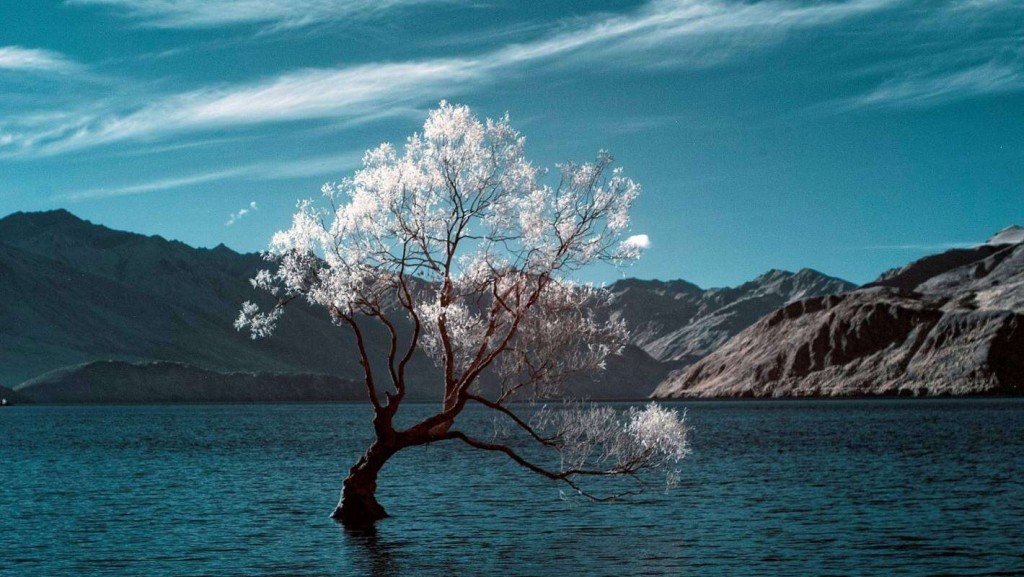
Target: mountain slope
(167, 382)
(947, 324)
(72, 291)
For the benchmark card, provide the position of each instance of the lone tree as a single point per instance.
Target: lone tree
(459, 250)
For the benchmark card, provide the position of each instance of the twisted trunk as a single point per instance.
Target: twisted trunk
(358, 506)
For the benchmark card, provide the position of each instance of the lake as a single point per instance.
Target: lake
(887, 487)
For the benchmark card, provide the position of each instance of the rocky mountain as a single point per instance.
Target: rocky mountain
(947, 324)
(169, 382)
(72, 292)
(677, 322)
(1010, 235)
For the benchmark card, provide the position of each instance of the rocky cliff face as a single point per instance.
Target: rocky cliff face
(676, 323)
(948, 324)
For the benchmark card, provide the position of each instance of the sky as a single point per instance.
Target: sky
(845, 136)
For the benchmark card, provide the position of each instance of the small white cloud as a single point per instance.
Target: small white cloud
(237, 216)
(34, 60)
(641, 241)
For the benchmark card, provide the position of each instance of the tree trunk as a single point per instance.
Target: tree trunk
(358, 506)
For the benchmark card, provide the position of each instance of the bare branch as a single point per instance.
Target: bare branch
(564, 476)
(364, 359)
(547, 441)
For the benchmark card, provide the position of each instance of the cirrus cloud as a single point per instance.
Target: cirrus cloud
(191, 14)
(661, 33)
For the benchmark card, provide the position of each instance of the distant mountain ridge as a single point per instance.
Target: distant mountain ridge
(678, 322)
(73, 292)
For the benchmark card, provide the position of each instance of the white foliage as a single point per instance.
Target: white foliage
(630, 442)
(259, 324)
(462, 210)
(659, 430)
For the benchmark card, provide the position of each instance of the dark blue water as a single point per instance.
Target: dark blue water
(772, 488)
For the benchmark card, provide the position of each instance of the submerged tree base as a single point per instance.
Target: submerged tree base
(359, 516)
(358, 506)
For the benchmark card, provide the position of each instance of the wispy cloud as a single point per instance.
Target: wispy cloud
(285, 170)
(690, 32)
(237, 216)
(215, 13)
(18, 58)
(661, 33)
(679, 30)
(346, 93)
(951, 51)
(335, 165)
(152, 186)
(918, 90)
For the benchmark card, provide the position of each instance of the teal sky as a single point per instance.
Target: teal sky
(847, 136)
